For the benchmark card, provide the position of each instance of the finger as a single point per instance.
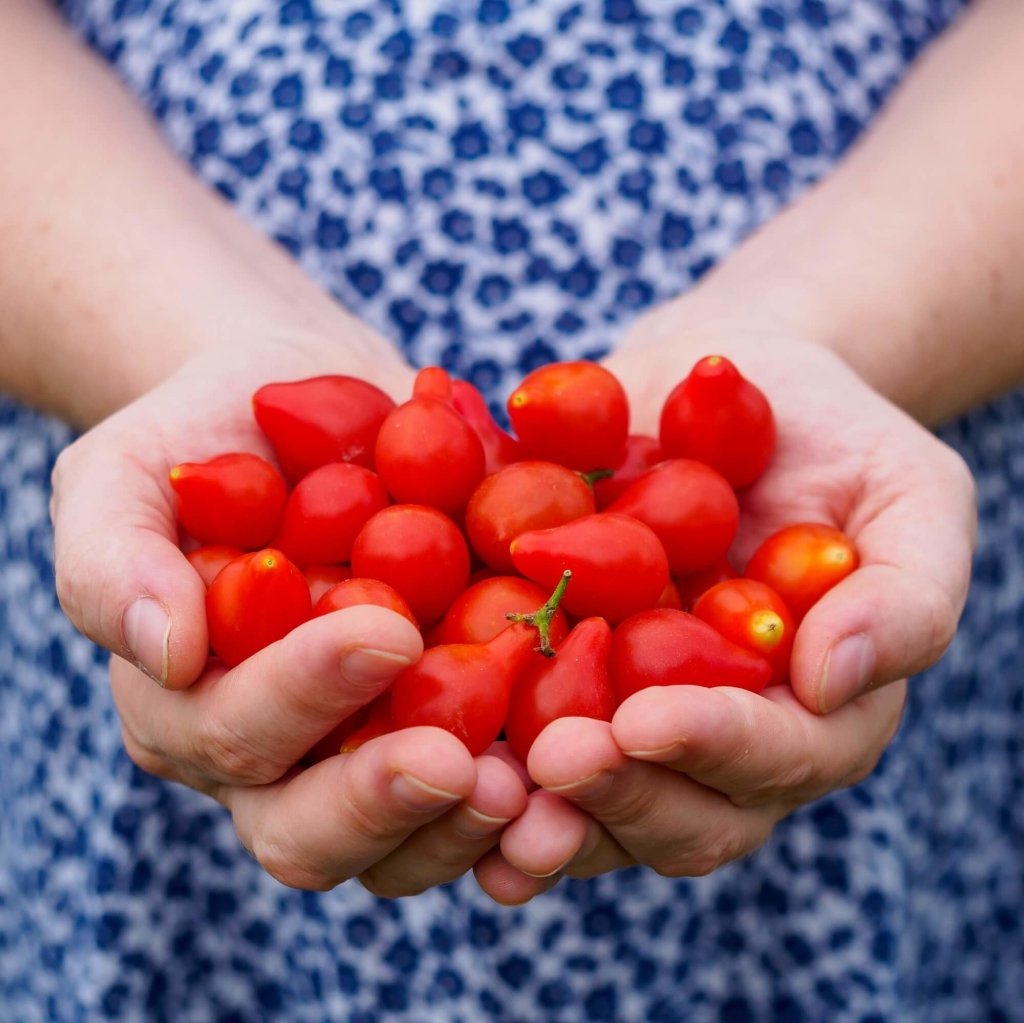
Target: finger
(448, 847)
(120, 576)
(758, 749)
(659, 817)
(898, 612)
(555, 837)
(506, 885)
(331, 822)
(250, 724)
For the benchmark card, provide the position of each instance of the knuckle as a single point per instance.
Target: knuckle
(279, 859)
(146, 758)
(228, 755)
(705, 855)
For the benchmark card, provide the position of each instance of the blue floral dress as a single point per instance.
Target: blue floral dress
(495, 184)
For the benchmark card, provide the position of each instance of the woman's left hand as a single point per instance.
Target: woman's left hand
(685, 778)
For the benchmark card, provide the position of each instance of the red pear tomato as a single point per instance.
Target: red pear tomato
(323, 419)
(642, 453)
(573, 683)
(753, 616)
(500, 448)
(464, 687)
(573, 413)
(524, 496)
(428, 454)
(254, 601)
(690, 507)
(433, 382)
(718, 417)
(355, 592)
(478, 614)
(662, 647)
(235, 499)
(802, 562)
(618, 564)
(417, 550)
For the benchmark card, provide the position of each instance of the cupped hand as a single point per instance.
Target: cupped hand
(403, 812)
(685, 779)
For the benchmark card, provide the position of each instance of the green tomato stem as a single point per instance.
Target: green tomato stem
(541, 618)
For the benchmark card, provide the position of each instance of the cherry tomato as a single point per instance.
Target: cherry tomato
(717, 416)
(354, 592)
(573, 683)
(524, 496)
(670, 597)
(325, 512)
(690, 507)
(500, 448)
(642, 453)
(478, 614)
(417, 550)
(428, 454)
(618, 564)
(463, 687)
(323, 419)
(662, 647)
(254, 601)
(433, 382)
(235, 499)
(753, 616)
(362, 725)
(322, 577)
(208, 561)
(802, 562)
(573, 413)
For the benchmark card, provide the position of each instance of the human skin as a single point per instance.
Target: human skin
(807, 306)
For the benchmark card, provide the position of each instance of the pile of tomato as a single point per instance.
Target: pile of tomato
(553, 571)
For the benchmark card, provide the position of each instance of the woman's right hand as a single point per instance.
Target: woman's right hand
(404, 812)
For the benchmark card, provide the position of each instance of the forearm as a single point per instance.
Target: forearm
(116, 264)
(909, 259)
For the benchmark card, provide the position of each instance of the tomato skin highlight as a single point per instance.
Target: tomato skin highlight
(254, 601)
(525, 496)
(573, 683)
(691, 508)
(325, 512)
(717, 416)
(478, 614)
(664, 647)
(331, 418)
(802, 562)
(356, 592)
(618, 564)
(426, 453)
(753, 616)
(418, 551)
(573, 413)
(236, 499)
(463, 688)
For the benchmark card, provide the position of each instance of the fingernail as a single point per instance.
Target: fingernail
(848, 669)
(146, 628)
(470, 823)
(418, 795)
(550, 873)
(592, 787)
(369, 666)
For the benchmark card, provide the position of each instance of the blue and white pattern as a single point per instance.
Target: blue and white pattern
(493, 184)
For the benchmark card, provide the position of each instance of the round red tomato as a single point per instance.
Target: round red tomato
(802, 562)
(524, 496)
(573, 413)
(417, 550)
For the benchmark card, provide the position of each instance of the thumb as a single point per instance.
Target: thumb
(120, 575)
(898, 612)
